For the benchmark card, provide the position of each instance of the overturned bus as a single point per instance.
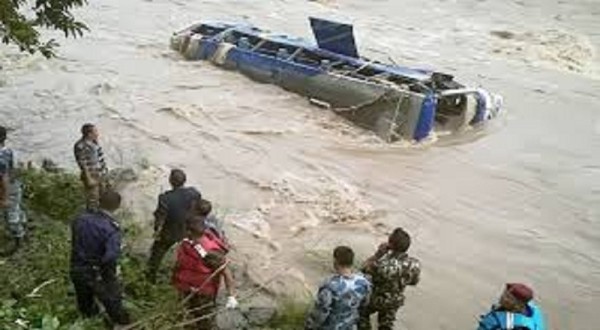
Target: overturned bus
(395, 102)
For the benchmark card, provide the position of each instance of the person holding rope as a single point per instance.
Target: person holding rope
(200, 266)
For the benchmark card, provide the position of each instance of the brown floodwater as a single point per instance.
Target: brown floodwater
(517, 200)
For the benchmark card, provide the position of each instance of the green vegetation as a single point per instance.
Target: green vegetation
(36, 285)
(35, 288)
(21, 20)
(290, 315)
(57, 195)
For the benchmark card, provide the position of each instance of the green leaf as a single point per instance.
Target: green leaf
(76, 326)
(17, 29)
(50, 322)
(8, 303)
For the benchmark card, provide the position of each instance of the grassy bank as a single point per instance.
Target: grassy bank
(34, 283)
(35, 289)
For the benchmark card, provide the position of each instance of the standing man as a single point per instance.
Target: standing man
(10, 195)
(90, 158)
(341, 296)
(96, 247)
(170, 216)
(391, 270)
(515, 311)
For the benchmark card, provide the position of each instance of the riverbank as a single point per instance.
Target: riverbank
(516, 201)
(37, 293)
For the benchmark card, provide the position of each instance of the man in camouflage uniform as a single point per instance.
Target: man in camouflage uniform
(10, 194)
(340, 296)
(90, 158)
(391, 270)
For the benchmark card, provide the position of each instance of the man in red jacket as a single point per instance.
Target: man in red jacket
(201, 263)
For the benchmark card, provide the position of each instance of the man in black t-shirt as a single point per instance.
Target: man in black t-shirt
(170, 215)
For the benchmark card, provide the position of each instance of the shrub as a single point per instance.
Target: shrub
(56, 195)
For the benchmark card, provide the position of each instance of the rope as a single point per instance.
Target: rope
(252, 293)
(182, 302)
(391, 131)
(363, 66)
(212, 275)
(362, 105)
(220, 310)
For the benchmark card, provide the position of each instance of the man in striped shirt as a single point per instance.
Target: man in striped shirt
(90, 158)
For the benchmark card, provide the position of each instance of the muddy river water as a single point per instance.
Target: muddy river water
(518, 200)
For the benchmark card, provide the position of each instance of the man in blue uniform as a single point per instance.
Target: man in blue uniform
(340, 296)
(514, 311)
(11, 191)
(96, 247)
(170, 216)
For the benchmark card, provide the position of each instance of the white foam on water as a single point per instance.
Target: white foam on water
(297, 177)
(551, 48)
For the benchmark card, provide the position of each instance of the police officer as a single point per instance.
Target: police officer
(340, 296)
(391, 270)
(96, 246)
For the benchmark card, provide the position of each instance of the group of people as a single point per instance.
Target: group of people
(347, 299)
(183, 218)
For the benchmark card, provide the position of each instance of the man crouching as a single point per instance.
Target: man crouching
(201, 263)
